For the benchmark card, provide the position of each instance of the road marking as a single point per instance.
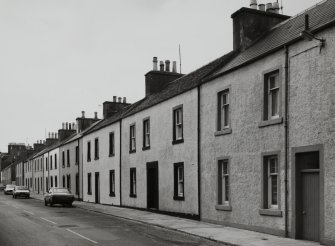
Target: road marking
(48, 221)
(28, 212)
(82, 236)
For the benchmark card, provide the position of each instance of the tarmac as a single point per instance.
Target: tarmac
(218, 233)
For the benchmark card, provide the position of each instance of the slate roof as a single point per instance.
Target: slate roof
(320, 16)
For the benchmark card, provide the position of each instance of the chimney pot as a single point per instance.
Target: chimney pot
(268, 7)
(275, 7)
(124, 100)
(70, 128)
(119, 99)
(167, 65)
(52, 135)
(253, 4)
(95, 115)
(56, 135)
(49, 135)
(261, 7)
(155, 67)
(67, 126)
(82, 114)
(161, 66)
(73, 126)
(174, 67)
(114, 98)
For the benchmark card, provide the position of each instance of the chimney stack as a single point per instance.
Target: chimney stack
(161, 66)
(174, 67)
(253, 4)
(167, 65)
(95, 115)
(155, 65)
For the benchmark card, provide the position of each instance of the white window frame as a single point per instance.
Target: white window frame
(270, 176)
(180, 180)
(146, 123)
(224, 109)
(178, 123)
(132, 138)
(273, 91)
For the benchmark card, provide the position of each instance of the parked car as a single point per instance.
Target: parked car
(2, 186)
(58, 196)
(21, 191)
(9, 189)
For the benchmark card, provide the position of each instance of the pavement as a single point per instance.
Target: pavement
(222, 234)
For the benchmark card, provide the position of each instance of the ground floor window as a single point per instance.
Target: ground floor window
(111, 182)
(89, 187)
(68, 177)
(56, 184)
(51, 182)
(133, 182)
(223, 182)
(179, 181)
(77, 183)
(63, 181)
(270, 182)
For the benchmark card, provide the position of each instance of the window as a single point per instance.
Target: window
(46, 184)
(132, 182)
(51, 162)
(89, 187)
(77, 183)
(55, 161)
(178, 125)
(132, 139)
(111, 182)
(271, 95)
(223, 110)
(56, 184)
(63, 158)
(88, 151)
(146, 134)
(63, 181)
(223, 182)
(96, 149)
(270, 182)
(68, 181)
(51, 182)
(46, 164)
(178, 181)
(68, 157)
(111, 144)
(77, 155)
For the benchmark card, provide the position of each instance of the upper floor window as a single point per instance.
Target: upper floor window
(111, 144)
(146, 134)
(51, 162)
(55, 161)
(132, 138)
(77, 155)
(88, 151)
(271, 96)
(223, 110)
(96, 149)
(178, 124)
(68, 157)
(63, 158)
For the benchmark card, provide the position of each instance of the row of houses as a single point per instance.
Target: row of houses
(245, 141)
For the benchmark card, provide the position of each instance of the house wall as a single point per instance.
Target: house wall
(163, 151)
(103, 165)
(312, 114)
(38, 173)
(244, 147)
(54, 172)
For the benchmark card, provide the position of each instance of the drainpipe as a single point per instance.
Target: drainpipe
(199, 153)
(48, 165)
(120, 133)
(78, 172)
(286, 125)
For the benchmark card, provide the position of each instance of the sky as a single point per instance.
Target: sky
(59, 57)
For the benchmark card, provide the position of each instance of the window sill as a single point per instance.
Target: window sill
(132, 151)
(223, 207)
(179, 198)
(177, 141)
(133, 195)
(111, 155)
(223, 132)
(270, 122)
(271, 212)
(112, 194)
(146, 148)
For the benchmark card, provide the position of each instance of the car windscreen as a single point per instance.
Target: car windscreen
(10, 186)
(21, 188)
(60, 190)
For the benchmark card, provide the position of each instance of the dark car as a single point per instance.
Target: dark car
(58, 196)
(9, 189)
(21, 191)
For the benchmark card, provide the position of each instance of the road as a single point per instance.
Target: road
(28, 222)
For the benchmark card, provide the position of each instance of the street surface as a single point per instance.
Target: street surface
(28, 222)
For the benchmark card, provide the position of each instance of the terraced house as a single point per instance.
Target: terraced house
(246, 140)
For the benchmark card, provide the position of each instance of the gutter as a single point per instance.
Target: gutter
(286, 125)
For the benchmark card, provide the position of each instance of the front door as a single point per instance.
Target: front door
(97, 186)
(152, 185)
(308, 196)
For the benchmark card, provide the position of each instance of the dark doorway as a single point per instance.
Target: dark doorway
(152, 185)
(308, 196)
(97, 188)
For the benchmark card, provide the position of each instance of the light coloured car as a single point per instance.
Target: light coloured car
(58, 196)
(9, 189)
(21, 191)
